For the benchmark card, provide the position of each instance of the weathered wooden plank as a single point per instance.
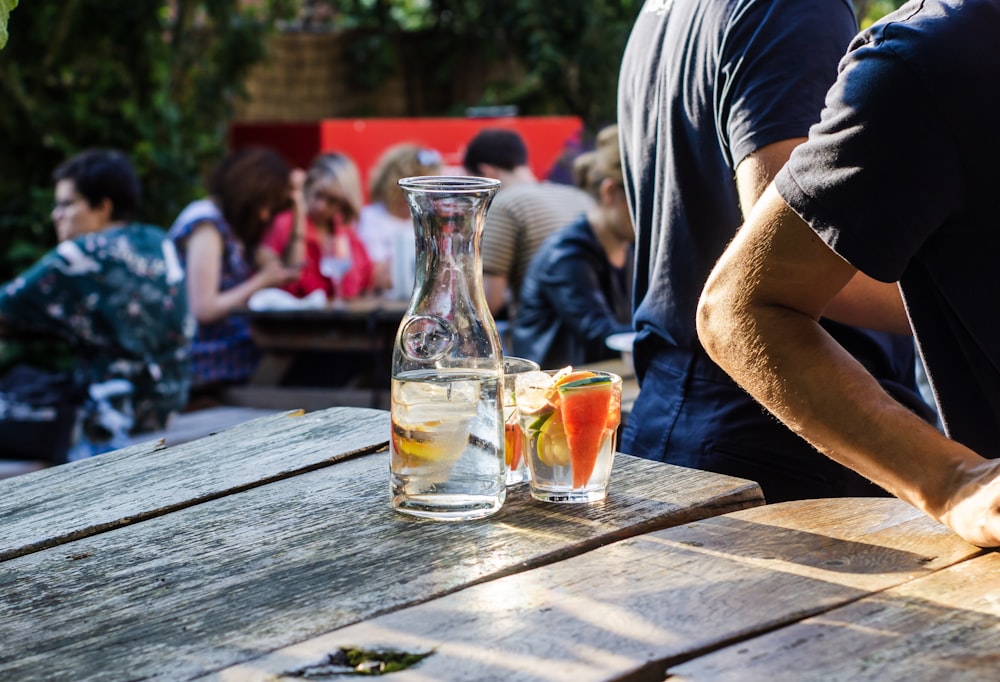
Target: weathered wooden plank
(628, 610)
(227, 580)
(55, 505)
(193, 425)
(945, 626)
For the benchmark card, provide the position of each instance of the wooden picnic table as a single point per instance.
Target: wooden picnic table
(367, 325)
(180, 563)
(846, 589)
(364, 326)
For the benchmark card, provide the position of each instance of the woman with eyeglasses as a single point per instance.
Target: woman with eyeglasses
(322, 240)
(386, 226)
(102, 315)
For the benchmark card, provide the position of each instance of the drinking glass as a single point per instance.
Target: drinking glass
(517, 470)
(570, 422)
(336, 261)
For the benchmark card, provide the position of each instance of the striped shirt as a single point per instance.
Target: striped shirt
(519, 220)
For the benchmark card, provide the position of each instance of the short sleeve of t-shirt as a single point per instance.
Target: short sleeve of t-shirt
(881, 171)
(776, 63)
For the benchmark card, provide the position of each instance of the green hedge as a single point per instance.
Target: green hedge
(136, 75)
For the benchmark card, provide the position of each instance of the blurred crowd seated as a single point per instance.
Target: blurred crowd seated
(153, 321)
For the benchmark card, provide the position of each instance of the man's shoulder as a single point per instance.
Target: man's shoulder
(543, 187)
(534, 193)
(939, 34)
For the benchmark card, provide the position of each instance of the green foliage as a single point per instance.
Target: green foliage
(156, 82)
(567, 53)
(5, 8)
(870, 11)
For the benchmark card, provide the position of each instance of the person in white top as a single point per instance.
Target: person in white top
(385, 225)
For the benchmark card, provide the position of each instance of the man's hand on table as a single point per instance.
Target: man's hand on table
(974, 508)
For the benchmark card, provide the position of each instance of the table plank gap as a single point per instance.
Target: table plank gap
(942, 626)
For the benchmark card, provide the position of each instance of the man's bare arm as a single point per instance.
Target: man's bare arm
(756, 171)
(758, 319)
(866, 302)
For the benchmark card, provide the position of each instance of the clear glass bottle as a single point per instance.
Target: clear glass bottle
(447, 445)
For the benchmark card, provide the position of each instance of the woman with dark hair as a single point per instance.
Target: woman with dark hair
(217, 240)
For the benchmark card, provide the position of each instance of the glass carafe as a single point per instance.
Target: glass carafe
(447, 445)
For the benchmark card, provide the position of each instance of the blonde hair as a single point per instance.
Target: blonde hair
(591, 168)
(344, 172)
(401, 161)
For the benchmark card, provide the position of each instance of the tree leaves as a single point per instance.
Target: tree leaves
(5, 8)
(155, 79)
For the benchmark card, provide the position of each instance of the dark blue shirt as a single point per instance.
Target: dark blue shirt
(704, 83)
(900, 178)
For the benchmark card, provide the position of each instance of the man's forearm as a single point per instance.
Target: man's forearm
(809, 382)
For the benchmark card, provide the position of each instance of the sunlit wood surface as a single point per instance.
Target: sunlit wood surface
(847, 590)
(177, 563)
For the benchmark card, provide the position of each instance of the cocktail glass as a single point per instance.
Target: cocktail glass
(570, 421)
(517, 470)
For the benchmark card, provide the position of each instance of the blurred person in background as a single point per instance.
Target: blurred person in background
(577, 290)
(386, 225)
(218, 238)
(112, 292)
(524, 213)
(325, 230)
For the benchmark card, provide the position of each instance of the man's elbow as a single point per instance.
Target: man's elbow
(495, 291)
(714, 321)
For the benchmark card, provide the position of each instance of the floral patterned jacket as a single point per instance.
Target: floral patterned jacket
(117, 298)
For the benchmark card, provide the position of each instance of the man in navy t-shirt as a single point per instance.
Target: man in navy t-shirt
(713, 96)
(897, 182)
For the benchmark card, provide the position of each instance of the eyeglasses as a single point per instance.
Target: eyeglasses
(333, 199)
(63, 204)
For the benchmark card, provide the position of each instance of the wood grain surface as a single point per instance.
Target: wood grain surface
(231, 578)
(630, 610)
(48, 507)
(945, 626)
